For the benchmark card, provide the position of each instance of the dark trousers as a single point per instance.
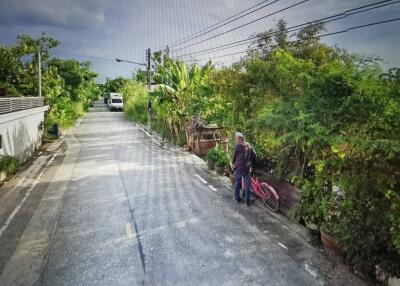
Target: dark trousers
(246, 185)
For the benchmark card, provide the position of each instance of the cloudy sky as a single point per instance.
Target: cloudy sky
(103, 30)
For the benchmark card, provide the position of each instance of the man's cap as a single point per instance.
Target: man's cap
(239, 134)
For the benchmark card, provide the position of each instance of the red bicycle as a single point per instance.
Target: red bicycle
(265, 192)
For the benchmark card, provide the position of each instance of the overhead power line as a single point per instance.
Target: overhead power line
(224, 23)
(319, 36)
(220, 22)
(68, 55)
(336, 17)
(243, 25)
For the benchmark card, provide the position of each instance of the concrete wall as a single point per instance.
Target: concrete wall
(20, 132)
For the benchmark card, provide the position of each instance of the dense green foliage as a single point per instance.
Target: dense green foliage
(218, 157)
(176, 96)
(324, 119)
(8, 164)
(19, 64)
(114, 85)
(68, 85)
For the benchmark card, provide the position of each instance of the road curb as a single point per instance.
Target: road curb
(35, 241)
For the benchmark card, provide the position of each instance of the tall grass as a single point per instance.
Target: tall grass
(135, 101)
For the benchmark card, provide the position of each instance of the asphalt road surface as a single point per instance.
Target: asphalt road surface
(137, 213)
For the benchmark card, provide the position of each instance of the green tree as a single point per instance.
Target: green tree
(141, 76)
(113, 85)
(77, 77)
(19, 63)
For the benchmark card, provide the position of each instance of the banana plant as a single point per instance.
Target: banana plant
(177, 83)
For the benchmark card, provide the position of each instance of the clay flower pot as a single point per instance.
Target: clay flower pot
(330, 245)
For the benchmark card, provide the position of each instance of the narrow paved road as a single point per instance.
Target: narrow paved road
(136, 213)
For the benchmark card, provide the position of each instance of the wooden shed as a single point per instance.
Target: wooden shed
(202, 137)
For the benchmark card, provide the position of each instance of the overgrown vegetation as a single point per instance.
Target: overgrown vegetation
(217, 157)
(135, 100)
(8, 164)
(177, 94)
(68, 85)
(318, 116)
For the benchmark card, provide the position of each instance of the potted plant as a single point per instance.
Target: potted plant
(211, 158)
(328, 240)
(331, 220)
(221, 164)
(217, 158)
(319, 207)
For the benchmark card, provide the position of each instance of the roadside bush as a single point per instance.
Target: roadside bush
(218, 157)
(8, 164)
(135, 101)
(65, 112)
(181, 139)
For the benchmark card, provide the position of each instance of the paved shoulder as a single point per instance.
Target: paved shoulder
(25, 265)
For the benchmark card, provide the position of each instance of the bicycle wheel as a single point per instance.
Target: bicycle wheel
(270, 198)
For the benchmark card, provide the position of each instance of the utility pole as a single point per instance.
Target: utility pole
(148, 68)
(149, 105)
(148, 58)
(40, 71)
(167, 51)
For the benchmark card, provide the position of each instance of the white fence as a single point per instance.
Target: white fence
(21, 131)
(12, 104)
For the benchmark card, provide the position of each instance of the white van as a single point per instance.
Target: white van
(114, 101)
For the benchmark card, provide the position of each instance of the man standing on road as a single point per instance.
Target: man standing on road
(241, 164)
